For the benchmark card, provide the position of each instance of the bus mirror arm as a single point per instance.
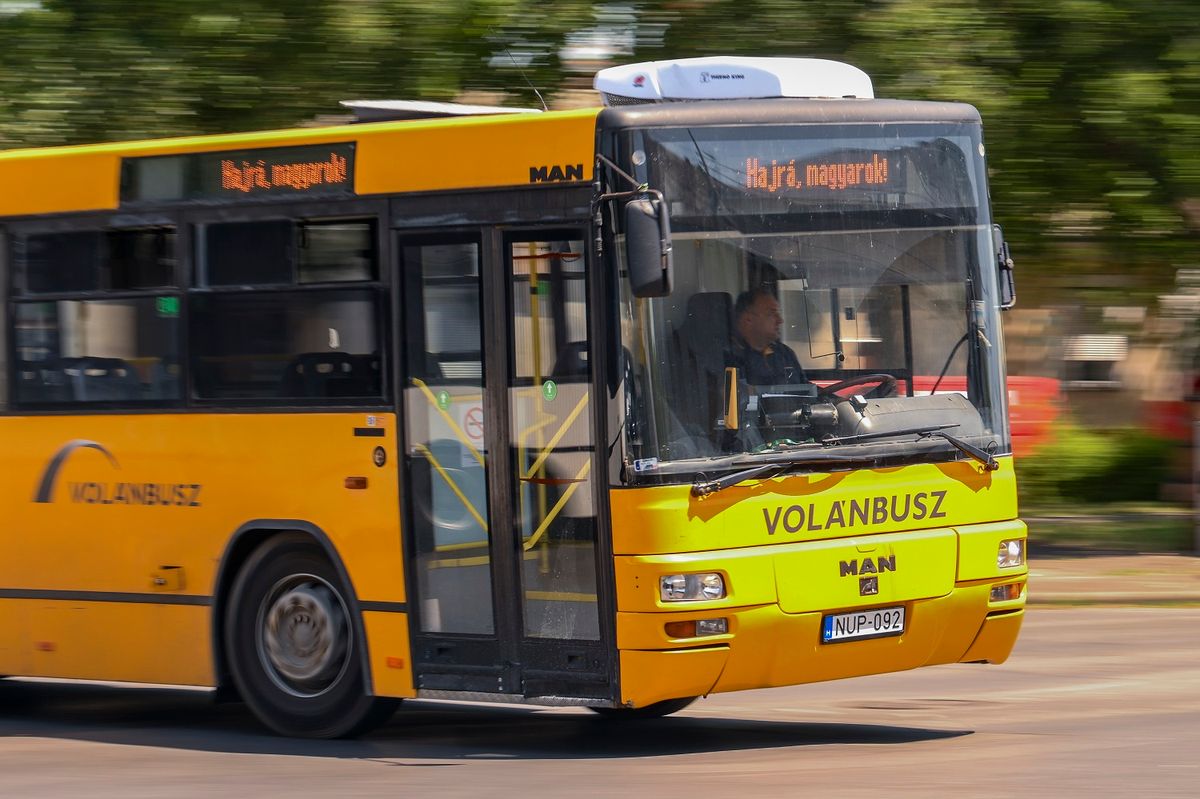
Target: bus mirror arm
(647, 233)
(1004, 267)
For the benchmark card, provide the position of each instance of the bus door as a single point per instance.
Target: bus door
(499, 475)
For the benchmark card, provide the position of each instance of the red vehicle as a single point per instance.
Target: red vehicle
(1033, 405)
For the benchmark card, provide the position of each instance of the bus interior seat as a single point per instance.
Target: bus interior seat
(38, 382)
(331, 374)
(433, 368)
(699, 348)
(368, 369)
(94, 379)
(164, 379)
(572, 361)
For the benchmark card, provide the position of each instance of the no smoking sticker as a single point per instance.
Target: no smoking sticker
(473, 423)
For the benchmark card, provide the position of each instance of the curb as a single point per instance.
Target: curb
(1110, 517)
(1113, 598)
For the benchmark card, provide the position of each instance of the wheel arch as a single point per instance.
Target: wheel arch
(241, 545)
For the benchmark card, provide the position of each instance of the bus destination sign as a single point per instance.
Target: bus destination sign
(775, 176)
(278, 172)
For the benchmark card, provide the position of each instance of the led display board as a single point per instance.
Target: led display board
(772, 176)
(321, 170)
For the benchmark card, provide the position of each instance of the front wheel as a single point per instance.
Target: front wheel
(653, 711)
(291, 644)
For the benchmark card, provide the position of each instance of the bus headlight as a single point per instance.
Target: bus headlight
(1012, 553)
(691, 587)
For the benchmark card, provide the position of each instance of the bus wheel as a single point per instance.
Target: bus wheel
(291, 644)
(654, 711)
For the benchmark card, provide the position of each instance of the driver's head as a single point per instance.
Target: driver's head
(757, 318)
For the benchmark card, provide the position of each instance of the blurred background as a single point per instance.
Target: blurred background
(1091, 114)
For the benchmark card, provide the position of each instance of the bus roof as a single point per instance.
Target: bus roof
(786, 111)
(423, 155)
(393, 110)
(391, 157)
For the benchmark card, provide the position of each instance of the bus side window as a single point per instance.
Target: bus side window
(260, 345)
(293, 312)
(248, 253)
(92, 348)
(95, 351)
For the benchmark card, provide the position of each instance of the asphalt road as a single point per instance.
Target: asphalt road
(1096, 701)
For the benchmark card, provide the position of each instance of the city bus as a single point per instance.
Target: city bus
(440, 403)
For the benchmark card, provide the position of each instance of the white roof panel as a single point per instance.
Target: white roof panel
(379, 110)
(731, 77)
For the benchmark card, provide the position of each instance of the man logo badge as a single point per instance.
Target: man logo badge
(868, 586)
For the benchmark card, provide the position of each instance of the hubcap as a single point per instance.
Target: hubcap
(305, 641)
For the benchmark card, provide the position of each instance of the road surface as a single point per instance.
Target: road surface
(1096, 701)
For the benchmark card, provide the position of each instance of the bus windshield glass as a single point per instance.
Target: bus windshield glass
(834, 289)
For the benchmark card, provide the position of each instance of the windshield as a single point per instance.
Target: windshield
(833, 283)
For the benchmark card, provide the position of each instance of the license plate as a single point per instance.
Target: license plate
(873, 623)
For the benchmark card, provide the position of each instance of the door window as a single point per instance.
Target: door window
(551, 438)
(447, 456)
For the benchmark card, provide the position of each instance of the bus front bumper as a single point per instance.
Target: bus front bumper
(768, 647)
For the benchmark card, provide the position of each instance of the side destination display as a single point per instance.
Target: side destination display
(322, 170)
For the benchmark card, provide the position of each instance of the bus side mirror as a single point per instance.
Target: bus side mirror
(648, 246)
(1004, 267)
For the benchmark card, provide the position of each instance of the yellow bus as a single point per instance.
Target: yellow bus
(697, 392)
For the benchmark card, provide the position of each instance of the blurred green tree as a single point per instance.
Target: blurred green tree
(93, 70)
(1091, 107)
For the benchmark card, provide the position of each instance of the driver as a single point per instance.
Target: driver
(755, 349)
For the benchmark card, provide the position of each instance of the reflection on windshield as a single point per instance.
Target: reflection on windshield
(785, 329)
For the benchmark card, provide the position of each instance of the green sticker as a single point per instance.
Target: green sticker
(167, 306)
(443, 399)
(549, 390)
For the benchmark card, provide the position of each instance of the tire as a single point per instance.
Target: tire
(291, 644)
(654, 711)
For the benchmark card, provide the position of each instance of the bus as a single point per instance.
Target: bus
(440, 403)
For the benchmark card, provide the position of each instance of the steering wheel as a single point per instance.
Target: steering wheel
(885, 385)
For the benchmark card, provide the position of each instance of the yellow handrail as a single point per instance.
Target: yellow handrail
(548, 448)
(580, 476)
(458, 431)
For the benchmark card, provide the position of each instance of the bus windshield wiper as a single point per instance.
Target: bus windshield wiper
(703, 488)
(930, 431)
(990, 464)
